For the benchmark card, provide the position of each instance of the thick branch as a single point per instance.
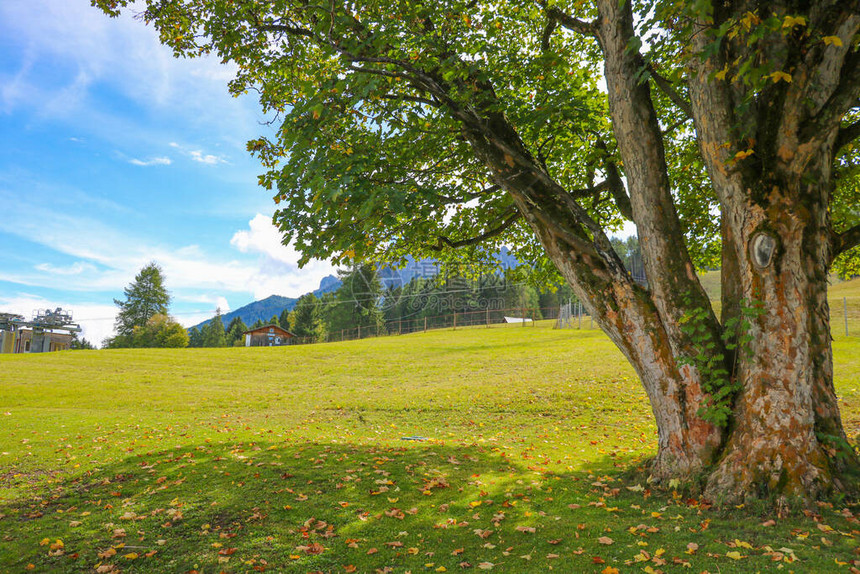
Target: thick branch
(569, 22)
(443, 241)
(667, 88)
(840, 101)
(846, 240)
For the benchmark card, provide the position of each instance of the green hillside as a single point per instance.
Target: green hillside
(294, 460)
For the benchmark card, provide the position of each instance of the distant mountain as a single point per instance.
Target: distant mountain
(272, 305)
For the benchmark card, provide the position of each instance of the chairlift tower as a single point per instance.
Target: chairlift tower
(45, 321)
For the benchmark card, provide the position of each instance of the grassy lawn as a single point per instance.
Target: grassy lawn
(294, 460)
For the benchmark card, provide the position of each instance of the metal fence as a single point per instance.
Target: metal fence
(844, 321)
(845, 317)
(521, 317)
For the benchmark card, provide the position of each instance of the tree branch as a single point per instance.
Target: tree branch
(667, 88)
(443, 241)
(847, 135)
(415, 99)
(569, 22)
(846, 240)
(616, 184)
(842, 99)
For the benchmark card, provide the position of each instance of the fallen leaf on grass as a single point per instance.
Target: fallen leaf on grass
(107, 554)
(605, 540)
(486, 565)
(526, 529)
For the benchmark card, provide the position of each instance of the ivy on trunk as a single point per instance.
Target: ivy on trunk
(725, 132)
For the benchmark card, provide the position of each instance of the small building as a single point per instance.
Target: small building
(42, 342)
(267, 336)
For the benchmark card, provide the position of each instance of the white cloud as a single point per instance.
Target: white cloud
(208, 159)
(223, 305)
(108, 258)
(153, 161)
(74, 269)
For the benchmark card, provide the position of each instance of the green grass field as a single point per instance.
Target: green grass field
(294, 460)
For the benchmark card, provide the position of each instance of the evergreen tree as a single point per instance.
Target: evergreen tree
(144, 298)
(195, 337)
(284, 320)
(355, 304)
(80, 344)
(304, 316)
(213, 332)
(235, 330)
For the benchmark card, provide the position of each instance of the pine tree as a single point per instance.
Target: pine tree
(195, 337)
(304, 316)
(235, 330)
(284, 320)
(144, 298)
(213, 332)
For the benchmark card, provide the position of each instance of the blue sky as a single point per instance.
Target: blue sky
(114, 154)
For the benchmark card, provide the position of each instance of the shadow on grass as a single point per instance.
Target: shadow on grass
(296, 507)
(307, 507)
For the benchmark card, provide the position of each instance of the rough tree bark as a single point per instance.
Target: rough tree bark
(787, 436)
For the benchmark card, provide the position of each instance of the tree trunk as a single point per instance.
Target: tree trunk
(686, 443)
(787, 438)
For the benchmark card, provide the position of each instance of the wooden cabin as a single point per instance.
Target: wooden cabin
(267, 336)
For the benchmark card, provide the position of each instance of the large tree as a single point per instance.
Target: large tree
(145, 297)
(723, 128)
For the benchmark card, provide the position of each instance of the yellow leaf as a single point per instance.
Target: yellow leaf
(792, 21)
(734, 555)
(777, 76)
(743, 154)
(609, 570)
(131, 556)
(832, 40)
(742, 544)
